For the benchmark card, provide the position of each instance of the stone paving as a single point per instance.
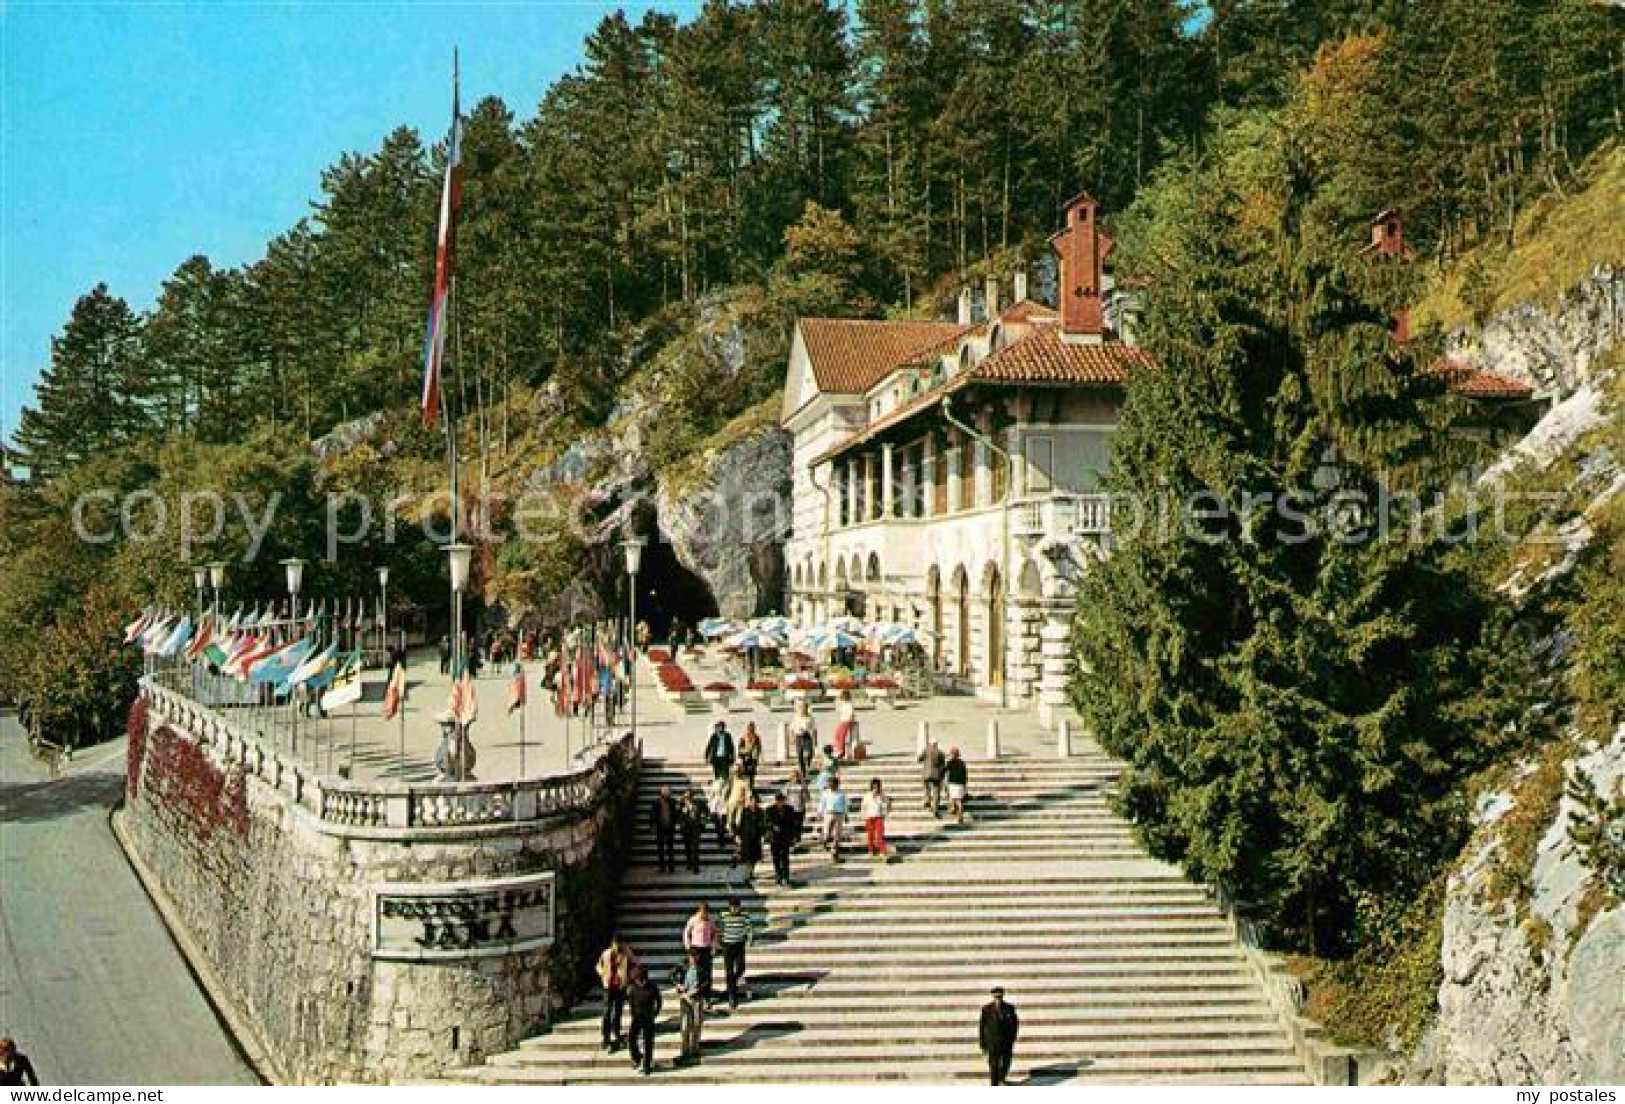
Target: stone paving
(360, 739)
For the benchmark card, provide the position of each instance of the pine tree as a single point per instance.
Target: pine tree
(96, 392)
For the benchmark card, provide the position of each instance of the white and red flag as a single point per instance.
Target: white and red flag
(395, 693)
(451, 195)
(516, 689)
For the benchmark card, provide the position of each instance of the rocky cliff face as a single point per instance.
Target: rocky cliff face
(1533, 941)
(1531, 990)
(1552, 348)
(731, 529)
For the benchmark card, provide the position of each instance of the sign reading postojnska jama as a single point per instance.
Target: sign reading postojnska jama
(421, 922)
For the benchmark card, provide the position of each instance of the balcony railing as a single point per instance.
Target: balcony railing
(346, 807)
(1063, 515)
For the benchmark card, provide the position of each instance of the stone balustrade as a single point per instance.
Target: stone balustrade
(1063, 515)
(384, 809)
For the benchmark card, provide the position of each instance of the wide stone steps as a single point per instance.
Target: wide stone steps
(869, 970)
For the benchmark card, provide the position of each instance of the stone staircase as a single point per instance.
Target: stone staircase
(1122, 970)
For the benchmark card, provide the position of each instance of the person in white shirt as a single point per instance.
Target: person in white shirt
(846, 726)
(832, 806)
(875, 807)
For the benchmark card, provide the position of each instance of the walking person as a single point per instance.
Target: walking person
(691, 1007)
(749, 828)
(796, 796)
(750, 752)
(875, 807)
(955, 774)
(719, 750)
(717, 802)
(16, 1070)
(700, 938)
(739, 791)
(783, 830)
(932, 766)
(615, 968)
(737, 934)
(832, 807)
(691, 813)
(664, 817)
(643, 1002)
(804, 731)
(445, 655)
(1000, 1025)
(846, 726)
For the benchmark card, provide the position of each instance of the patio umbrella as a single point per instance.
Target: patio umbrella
(753, 638)
(902, 636)
(845, 623)
(830, 639)
(713, 627)
(775, 624)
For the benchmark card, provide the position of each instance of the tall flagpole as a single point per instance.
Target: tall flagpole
(524, 701)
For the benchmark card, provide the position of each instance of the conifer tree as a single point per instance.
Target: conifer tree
(95, 393)
(1279, 658)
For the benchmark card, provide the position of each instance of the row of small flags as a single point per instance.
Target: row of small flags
(237, 647)
(234, 647)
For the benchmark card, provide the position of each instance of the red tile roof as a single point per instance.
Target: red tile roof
(1042, 357)
(1027, 311)
(1476, 383)
(851, 355)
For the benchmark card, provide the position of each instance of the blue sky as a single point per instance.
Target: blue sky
(135, 135)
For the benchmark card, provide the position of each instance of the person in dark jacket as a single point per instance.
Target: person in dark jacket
(15, 1068)
(955, 774)
(663, 818)
(1000, 1025)
(933, 764)
(719, 750)
(643, 1002)
(691, 814)
(749, 831)
(783, 829)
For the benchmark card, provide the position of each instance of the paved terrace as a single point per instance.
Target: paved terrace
(402, 749)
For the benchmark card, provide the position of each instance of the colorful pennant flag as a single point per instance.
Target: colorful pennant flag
(346, 684)
(516, 689)
(451, 195)
(395, 692)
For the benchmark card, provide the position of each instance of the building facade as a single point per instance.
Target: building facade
(948, 475)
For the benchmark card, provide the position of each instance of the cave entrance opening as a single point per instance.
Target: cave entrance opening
(668, 592)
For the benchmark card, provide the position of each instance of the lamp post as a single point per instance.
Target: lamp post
(217, 578)
(200, 579)
(460, 557)
(295, 570)
(633, 547)
(383, 609)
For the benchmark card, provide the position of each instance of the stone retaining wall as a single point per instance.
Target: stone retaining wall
(284, 908)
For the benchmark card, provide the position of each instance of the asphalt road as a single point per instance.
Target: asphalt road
(91, 986)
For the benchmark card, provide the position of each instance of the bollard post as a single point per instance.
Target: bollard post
(922, 737)
(1063, 738)
(993, 739)
(784, 741)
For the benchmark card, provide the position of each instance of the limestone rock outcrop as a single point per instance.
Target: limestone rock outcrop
(1531, 990)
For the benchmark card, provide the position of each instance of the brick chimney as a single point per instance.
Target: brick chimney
(1083, 249)
(990, 297)
(1388, 240)
(962, 315)
(1388, 234)
(1019, 291)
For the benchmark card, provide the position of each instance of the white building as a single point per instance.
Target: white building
(947, 474)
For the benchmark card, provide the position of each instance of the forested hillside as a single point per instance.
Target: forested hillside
(780, 157)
